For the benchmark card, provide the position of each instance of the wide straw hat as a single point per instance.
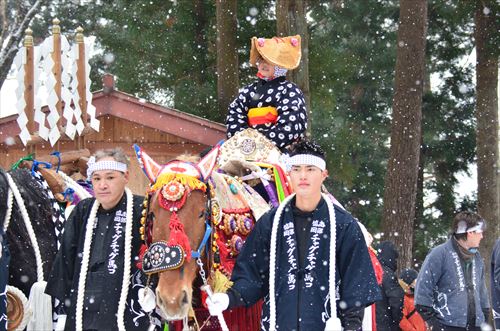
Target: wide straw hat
(283, 52)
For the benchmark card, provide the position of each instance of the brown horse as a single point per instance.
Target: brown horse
(175, 228)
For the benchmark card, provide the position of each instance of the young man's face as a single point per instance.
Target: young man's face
(306, 180)
(474, 238)
(109, 185)
(266, 69)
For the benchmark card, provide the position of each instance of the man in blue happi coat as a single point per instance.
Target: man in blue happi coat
(297, 261)
(451, 291)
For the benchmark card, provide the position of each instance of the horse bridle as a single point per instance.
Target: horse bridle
(165, 255)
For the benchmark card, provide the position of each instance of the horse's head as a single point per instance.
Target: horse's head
(175, 228)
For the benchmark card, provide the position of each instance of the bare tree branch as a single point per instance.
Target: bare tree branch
(10, 42)
(3, 19)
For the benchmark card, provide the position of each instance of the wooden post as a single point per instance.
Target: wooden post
(29, 79)
(57, 68)
(80, 74)
(82, 85)
(29, 87)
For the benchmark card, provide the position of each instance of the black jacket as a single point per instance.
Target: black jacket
(389, 311)
(105, 274)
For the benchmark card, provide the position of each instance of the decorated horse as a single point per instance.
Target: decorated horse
(32, 221)
(195, 221)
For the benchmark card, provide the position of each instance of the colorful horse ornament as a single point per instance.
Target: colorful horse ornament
(204, 202)
(175, 229)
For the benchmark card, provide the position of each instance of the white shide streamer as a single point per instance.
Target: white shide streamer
(22, 119)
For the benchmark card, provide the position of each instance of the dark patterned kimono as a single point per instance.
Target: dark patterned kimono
(105, 272)
(302, 289)
(290, 121)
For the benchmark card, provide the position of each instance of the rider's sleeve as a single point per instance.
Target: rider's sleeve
(237, 116)
(292, 117)
(250, 275)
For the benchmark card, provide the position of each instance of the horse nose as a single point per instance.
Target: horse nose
(182, 300)
(159, 301)
(185, 300)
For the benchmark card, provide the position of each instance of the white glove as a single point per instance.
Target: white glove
(217, 303)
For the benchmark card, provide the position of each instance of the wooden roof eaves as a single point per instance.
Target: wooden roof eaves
(164, 119)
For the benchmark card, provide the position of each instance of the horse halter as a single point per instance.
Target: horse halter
(172, 188)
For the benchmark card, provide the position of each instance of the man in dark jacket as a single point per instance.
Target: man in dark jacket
(91, 275)
(301, 255)
(495, 283)
(389, 310)
(451, 291)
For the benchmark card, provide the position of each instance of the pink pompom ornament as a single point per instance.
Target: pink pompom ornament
(294, 42)
(261, 42)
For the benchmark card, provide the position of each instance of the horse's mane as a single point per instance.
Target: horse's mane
(4, 189)
(22, 269)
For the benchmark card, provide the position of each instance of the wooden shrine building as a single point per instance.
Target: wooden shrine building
(125, 120)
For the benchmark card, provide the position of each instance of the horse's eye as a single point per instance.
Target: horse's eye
(151, 216)
(202, 213)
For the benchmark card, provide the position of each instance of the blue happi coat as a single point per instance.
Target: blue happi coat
(441, 284)
(495, 283)
(302, 296)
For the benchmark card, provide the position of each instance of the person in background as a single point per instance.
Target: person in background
(451, 291)
(369, 318)
(272, 105)
(301, 255)
(389, 310)
(495, 283)
(411, 321)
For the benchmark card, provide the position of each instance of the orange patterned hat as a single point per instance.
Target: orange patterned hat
(283, 52)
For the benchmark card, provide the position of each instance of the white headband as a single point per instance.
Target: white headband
(104, 165)
(462, 228)
(306, 159)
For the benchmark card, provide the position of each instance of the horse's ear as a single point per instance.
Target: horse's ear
(148, 165)
(207, 164)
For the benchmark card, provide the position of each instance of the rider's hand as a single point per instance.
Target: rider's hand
(217, 303)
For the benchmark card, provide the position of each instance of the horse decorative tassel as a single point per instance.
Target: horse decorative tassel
(190, 209)
(177, 197)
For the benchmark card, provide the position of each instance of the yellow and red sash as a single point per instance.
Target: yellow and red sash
(262, 115)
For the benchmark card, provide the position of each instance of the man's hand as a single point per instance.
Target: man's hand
(217, 303)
